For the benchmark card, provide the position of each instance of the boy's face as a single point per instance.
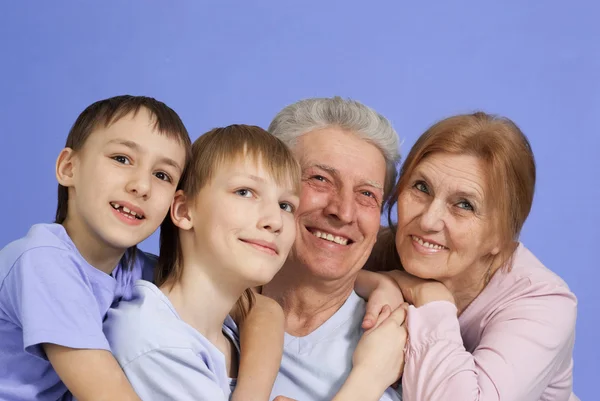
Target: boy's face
(123, 181)
(243, 221)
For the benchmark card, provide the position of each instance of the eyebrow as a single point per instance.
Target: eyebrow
(264, 181)
(336, 172)
(460, 194)
(137, 148)
(255, 178)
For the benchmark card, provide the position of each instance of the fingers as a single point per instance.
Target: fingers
(385, 313)
(372, 313)
(282, 398)
(369, 320)
(399, 315)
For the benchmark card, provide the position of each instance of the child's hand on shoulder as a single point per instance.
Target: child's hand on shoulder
(386, 293)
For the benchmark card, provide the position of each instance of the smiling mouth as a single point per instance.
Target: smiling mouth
(330, 237)
(126, 211)
(261, 247)
(426, 244)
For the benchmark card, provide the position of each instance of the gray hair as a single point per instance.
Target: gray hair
(309, 115)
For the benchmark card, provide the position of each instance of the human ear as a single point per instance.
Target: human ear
(66, 167)
(180, 211)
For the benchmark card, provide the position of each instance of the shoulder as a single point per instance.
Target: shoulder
(528, 292)
(45, 250)
(147, 323)
(529, 277)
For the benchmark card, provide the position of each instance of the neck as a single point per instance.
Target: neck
(93, 249)
(307, 302)
(203, 299)
(466, 287)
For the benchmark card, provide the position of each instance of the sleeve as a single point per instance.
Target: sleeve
(173, 374)
(521, 349)
(53, 303)
(392, 394)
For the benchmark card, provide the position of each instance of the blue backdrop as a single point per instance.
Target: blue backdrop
(218, 63)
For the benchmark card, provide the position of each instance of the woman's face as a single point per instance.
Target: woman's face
(445, 228)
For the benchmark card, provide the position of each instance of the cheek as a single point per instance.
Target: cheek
(311, 199)
(407, 209)
(369, 220)
(289, 232)
(164, 198)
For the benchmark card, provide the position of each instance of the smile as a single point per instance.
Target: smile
(126, 212)
(330, 237)
(426, 244)
(263, 246)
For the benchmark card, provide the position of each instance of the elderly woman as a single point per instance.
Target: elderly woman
(487, 320)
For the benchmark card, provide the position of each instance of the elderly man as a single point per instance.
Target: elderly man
(348, 154)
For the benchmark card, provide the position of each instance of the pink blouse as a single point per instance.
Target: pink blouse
(514, 342)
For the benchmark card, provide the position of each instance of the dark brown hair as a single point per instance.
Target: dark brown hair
(105, 112)
(211, 151)
(510, 166)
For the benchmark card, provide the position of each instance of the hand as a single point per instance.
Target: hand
(282, 398)
(387, 293)
(380, 352)
(418, 291)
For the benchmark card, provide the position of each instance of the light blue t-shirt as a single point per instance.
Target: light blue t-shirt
(315, 367)
(50, 294)
(163, 357)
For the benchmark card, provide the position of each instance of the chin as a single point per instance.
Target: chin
(123, 240)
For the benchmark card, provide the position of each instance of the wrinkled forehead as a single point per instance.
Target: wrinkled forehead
(342, 152)
(456, 173)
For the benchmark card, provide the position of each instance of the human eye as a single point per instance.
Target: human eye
(121, 159)
(161, 175)
(421, 186)
(368, 194)
(318, 178)
(465, 205)
(244, 192)
(287, 207)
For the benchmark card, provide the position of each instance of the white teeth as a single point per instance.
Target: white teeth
(330, 237)
(126, 210)
(427, 244)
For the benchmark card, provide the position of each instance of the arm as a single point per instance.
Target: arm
(90, 374)
(379, 290)
(523, 345)
(61, 322)
(378, 360)
(261, 342)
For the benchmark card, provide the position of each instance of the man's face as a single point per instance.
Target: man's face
(340, 202)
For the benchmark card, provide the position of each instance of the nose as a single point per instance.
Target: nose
(270, 218)
(140, 184)
(432, 218)
(342, 206)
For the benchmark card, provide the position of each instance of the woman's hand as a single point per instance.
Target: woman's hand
(418, 291)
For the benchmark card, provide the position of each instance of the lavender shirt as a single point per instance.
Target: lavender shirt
(163, 357)
(50, 294)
